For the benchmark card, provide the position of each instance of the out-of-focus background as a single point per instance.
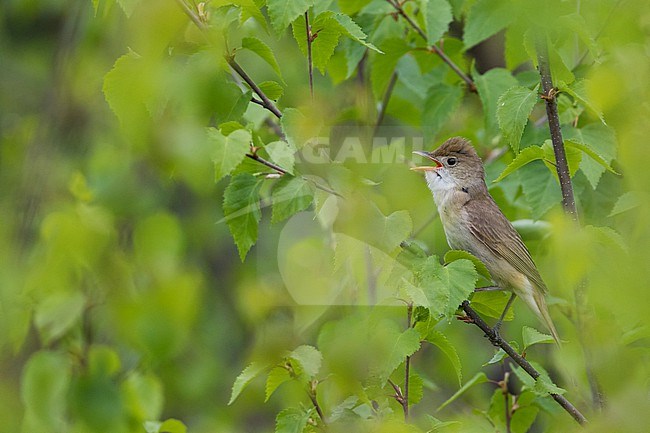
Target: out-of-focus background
(122, 295)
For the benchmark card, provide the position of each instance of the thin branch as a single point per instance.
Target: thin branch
(407, 366)
(434, 48)
(384, 102)
(266, 102)
(496, 340)
(269, 164)
(549, 96)
(192, 15)
(310, 63)
(314, 401)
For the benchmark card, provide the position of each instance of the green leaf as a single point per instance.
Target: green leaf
(283, 12)
(229, 151)
(322, 48)
(402, 345)
(484, 19)
(349, 28)
(251, 8)
(416, 388)
(441, 426)
(532, 336)
(43, 389)
(172, 425)
(245, 377)
(283, 154)
(57, 313)
(440, 103)
(591, 154)
(446, 287)
(513, 109)
(143, 395)
(277, 376)
(242, 212)
(498, 356)
(541, 190)
(453, 255)
(627, 201)
(351, 7)
(602, 140)
(382, 66)
(491, 86)
(294, 125)
(491, 303)
(439, 340)
(290, 196)
(437, 15)
(478, 378)
(310, 359)
(272, 89)
(523, 418)
(573, 158)
(292, 420)
(264, 51)
(578, 90)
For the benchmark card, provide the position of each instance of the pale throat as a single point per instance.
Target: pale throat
(444, 190)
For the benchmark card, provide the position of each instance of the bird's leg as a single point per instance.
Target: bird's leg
(497, 326)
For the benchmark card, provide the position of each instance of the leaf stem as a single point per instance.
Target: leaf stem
(434, 48)
(496, 340)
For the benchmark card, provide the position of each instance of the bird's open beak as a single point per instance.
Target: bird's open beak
(426, 167)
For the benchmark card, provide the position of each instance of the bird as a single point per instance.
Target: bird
(473, 222)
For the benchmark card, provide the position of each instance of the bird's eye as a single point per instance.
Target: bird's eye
(451, 161)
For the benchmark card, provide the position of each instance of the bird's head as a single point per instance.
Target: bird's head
(456, 165)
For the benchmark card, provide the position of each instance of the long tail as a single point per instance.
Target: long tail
(535, 300)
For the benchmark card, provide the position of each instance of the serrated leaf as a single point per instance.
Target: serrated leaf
(352, 30)
(283, 12)
(277, 376)
(251, 8)
(245, 377)
(513, 109)
(541, 190)
(532, 336)
(523, 418)
(529, 154)
(578, 90)
(44, 387)
(446, 287)
(627, 201)
(322, 48)
(290, 196)
(453, 255)
(573, 158)
(283, 154)
(484, 19)
(241, 210)
(602, 140)
(310, 359)
(500, 354)
(416, 391)
(382, 66)
(260, 48)
(440, 103)
(591, 154)
(478, 378)
(272, 89)
(403, 344)
(437, 16)
(491, 86)
(491, 303)
(439, 340)
(292, 420)
(228, 151)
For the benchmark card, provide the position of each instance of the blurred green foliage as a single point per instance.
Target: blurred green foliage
(134, 289)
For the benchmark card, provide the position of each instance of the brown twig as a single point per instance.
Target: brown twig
(385, 101)
(520, 360)
(265, 101)
(407, 366)
(192, 15)
(434, 48)
(314, 400)
(310, 63)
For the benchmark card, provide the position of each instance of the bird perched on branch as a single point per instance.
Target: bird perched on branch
(473, 222)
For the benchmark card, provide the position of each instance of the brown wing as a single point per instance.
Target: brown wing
(500, 237)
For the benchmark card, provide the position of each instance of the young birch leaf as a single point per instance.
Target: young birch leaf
(439, 340)
(541, 190)
(290, 196)
(513, 109)
(578, 91)
(440, 103)
(591, 154)
(453, 255)
(404, 344)
(310, 359)
(602, 140)
(491, 303)
(478, 378)
(532, 336)
(292, 420)
(523, 419)
(272, 89)
(437, 15)
(416, 388)
(245, 377)
(352, 30)
(491, 86)
(283, 12)
(264, 51)
(277, 376)
(283, 154)
(627, 201)
(242, 212)
(485, 18)
(382, 66)
(229, 151)
(295, 127)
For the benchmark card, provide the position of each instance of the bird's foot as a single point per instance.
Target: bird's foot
(464, 318)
